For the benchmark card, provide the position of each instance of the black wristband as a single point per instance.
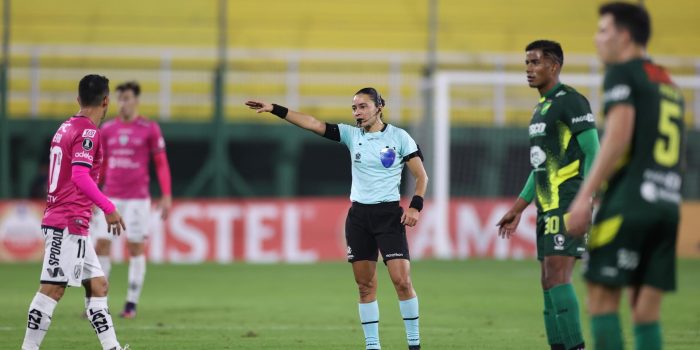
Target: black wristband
(280, 111)
(416, 203)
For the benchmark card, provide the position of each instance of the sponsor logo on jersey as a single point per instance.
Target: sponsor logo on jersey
(584, 118)
(617, 93)
(87, 144)
(560, 93)
(537, 156)
(537, 129)
(661, 186)
(57, 138)
(123, 139)
(84, 155)
(89, 133)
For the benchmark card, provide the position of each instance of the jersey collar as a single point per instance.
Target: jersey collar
(550, 93)
(380, 131)
(84, 116)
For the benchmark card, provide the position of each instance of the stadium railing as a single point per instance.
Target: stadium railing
(178, 81)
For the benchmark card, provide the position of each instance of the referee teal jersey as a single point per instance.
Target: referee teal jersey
(377, 159)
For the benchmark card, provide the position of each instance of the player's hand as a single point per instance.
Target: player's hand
(508, 223)
(259, 106)
(165, 204)
(115, 223)
(579, 217)
(410, 217)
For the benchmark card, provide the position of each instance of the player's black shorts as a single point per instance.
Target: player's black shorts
(373, 227)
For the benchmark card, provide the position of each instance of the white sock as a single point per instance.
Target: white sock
(369, 317)
(101, 321)
(137, 273)
(106, 264)
(39, 320)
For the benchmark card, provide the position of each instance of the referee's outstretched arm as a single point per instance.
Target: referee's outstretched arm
(297, 118)
(415, 166)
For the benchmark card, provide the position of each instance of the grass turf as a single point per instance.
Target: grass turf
(476, 304)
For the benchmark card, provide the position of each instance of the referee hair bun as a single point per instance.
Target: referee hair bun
(379, 101)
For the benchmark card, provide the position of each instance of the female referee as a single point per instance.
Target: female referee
(375, 221)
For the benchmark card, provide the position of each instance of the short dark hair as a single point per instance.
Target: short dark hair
(551, 49)
(130, 85)
(634, 18)
(374, 95)
(92, 89)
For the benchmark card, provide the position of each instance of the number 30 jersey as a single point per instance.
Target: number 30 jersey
(650, 170)
(76, 143)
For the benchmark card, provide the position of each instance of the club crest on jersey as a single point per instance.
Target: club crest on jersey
(559, 242)
(123, 139)
(387, 156)
(87, 144)
(89, 132)
(545, 107)
(537, 156)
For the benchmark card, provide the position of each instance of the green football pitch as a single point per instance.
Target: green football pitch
(476, 304)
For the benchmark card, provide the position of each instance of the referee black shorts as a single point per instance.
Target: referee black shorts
(373, 227)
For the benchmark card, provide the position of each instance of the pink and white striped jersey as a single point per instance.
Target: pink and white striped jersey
(76, 143)
(128, 150)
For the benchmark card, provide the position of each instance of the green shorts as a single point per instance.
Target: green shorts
(552, 238)
(633, 247)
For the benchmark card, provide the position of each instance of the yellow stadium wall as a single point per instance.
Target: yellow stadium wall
(465, 25)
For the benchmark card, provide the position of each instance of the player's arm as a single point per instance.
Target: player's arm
(80, 176)
(510, 220)
(616, 141)
(85, 150)
(415, 166)
(299, 119)
(588, 140)
(160, 160)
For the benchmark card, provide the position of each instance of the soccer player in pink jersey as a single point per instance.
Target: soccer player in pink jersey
(69, 257)
(130, 140)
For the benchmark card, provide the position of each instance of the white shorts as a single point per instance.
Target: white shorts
(136, 214)
(68, 259)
